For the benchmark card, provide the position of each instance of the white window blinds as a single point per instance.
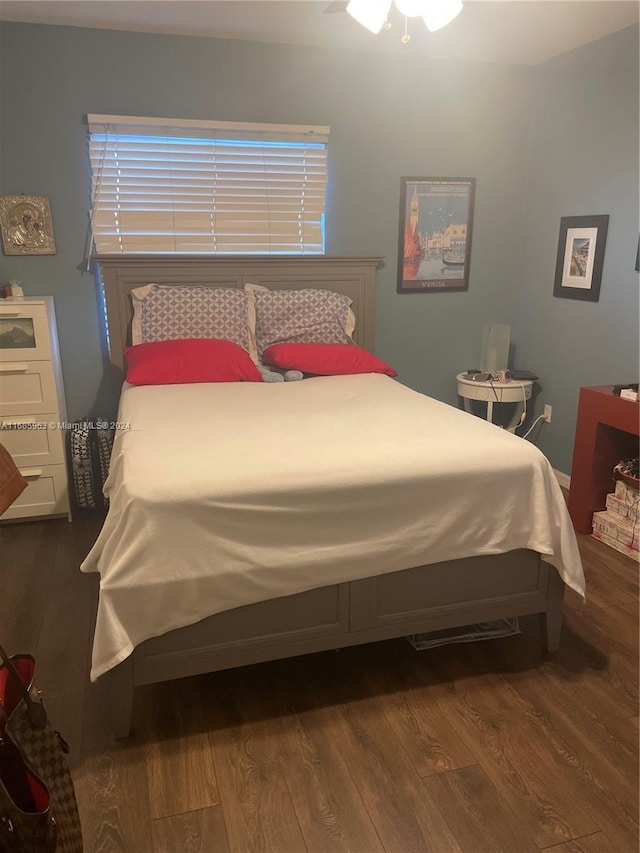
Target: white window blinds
(188, 187)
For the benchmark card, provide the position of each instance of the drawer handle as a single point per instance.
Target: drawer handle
(31, 473)
(18, 367)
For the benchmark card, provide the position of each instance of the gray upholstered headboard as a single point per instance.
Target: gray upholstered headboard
(353, 276)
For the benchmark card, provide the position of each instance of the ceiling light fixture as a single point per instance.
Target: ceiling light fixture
(439, 13)
(373, 14)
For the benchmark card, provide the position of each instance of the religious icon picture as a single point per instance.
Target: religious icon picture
(26, 225)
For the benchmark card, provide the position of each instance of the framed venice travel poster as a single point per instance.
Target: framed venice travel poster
(434, 246)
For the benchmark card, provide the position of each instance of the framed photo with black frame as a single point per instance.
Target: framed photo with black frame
(580, 257)
(434, 245)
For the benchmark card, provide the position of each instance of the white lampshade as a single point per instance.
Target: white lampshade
(439, 13)
(370, 13)
(412, 8)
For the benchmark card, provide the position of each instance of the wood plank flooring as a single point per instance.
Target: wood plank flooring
(474, 748)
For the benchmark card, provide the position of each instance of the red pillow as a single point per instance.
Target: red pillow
(325, 359)
(189, 360)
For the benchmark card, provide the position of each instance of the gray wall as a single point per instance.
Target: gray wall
(584, 161)
(389, 116)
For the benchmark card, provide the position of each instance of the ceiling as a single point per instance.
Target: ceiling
(524, 32)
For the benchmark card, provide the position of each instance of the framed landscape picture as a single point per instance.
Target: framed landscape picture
(434, 246)
(580, 257)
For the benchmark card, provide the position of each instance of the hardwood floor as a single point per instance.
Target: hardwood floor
(492, 746)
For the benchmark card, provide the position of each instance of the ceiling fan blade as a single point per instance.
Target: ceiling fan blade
(336, 6)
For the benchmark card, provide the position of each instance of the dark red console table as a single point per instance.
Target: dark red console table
(606, 431)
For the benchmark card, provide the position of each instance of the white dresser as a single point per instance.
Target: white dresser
(32, 406)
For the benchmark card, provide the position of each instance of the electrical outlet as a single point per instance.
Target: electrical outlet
(547, 413)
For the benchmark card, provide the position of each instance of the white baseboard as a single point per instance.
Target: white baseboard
(564, 480)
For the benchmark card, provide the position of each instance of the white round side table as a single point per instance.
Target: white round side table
(490, 392)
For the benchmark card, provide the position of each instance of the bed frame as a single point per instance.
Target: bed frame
(417, 600)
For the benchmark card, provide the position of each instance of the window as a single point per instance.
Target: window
(189, 187)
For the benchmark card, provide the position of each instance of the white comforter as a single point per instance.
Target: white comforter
(227, 494)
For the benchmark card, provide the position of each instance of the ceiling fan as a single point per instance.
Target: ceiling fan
(374, 14)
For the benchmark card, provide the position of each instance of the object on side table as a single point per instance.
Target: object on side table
(524, 374)
(13, 289)
(16, 289)
(494, 355)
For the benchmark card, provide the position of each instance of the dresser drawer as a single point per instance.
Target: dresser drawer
(27, 388)
(46, 493)
(24, 332)
(29, 444)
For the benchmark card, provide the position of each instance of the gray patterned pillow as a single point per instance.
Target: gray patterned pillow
(307, 316)
(163, 313)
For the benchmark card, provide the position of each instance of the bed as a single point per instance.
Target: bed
(250, 522)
